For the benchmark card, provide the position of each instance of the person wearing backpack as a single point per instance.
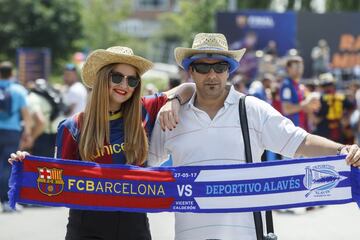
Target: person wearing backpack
(47, 110)
(13, 109)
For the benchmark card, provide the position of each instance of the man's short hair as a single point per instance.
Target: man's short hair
(6, 68)
(293, 59)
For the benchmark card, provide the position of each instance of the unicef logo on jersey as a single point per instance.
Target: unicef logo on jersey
(321, 179)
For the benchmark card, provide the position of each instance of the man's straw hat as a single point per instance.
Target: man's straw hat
(100, 58)
(209, 44)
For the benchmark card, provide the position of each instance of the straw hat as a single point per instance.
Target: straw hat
(209, 44)
(100, 58)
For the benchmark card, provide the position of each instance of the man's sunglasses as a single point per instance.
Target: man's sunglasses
(205, 68)
(117, 78)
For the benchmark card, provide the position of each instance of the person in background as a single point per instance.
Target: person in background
(46, 108)
(75, 96)
(174, 82)
(262, 88)
(293, 102)
(13, 110)
(116, 117)
(239, 85)
(150, 89)
(271, 48)
(331, 112)
(320, 56)
(249, 69)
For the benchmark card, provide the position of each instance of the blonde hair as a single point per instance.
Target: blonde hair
(95, 127)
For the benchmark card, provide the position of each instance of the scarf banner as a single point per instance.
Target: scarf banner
(201, 189)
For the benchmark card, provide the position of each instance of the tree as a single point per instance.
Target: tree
(101, 22)
(344, 5)
(193, 17)
(54, 24)
(250, 4)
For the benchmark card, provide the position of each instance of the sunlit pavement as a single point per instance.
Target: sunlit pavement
(340, 222)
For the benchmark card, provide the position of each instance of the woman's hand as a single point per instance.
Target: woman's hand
(169, 115)
(17, 157)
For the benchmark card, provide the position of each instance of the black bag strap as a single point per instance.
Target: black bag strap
(248, 158)
(245, 129)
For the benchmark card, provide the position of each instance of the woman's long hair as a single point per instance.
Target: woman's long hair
(95, 128)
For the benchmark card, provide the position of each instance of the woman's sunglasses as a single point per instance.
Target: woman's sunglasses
(117, 78)
(205, 68)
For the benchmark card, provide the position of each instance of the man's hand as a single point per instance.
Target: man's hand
(169, 115)
(353, 154)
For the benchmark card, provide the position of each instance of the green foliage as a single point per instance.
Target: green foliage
(343, 5)
(251, 4)
(193, 17)
(100, 21)
(54, 24)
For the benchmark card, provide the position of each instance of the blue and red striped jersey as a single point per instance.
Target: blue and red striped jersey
(68, 133)
(290, 92)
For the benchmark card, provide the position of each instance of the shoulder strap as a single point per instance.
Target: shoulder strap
(245, 129)
(248, 158)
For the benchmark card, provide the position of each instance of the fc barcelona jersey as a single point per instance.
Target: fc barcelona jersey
(68, 134)
(290, 92)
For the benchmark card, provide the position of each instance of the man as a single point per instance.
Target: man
(76, 95)
(262, 88)
(46, 108)
(209, 133)
(14, 97)
(320, 56)
(293, 102)
(333, 106)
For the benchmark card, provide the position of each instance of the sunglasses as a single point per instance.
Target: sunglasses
(117, 78)
(205, 68)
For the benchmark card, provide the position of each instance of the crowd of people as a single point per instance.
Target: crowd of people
(322, 104)
(282, 107)
(30, 113)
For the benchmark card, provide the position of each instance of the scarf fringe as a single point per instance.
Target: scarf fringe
(355, 183)
(14, 183)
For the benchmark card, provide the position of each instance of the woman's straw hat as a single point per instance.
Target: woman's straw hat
(207, 43)
(100, 58)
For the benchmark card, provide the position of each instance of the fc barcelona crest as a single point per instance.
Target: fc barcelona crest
(50, 181)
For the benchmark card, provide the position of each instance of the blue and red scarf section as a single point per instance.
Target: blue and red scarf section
(200, 189)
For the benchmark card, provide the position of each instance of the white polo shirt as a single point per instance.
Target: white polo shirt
(199, 140)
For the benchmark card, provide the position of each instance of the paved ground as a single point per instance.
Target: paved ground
(330, 223)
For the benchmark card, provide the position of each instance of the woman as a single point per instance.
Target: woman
(113, 129)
